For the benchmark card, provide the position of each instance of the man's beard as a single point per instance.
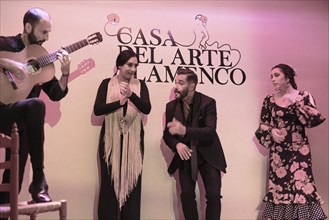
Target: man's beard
(180, 95)
(33, 39)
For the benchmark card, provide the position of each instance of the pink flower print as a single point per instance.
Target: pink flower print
(277, 198)
(274, 165)
(296, 137)
(273, 114)
(279, 113)
(286, 196)
(276, 161)
(277, 188)
(281, 124)
(299, 128)
(281, 172)
(299, 185)
(305, 149)
(266, 141)
(300, 175)
(318, 197)
(303, 164)
(276, 158)
(308, 188)
(300, 199)
(279, 148)
(267, 144)
(274, 189)
(294, 166)
(283, 131)
(285, 202)
(262, 139)
(302, 119)
(295, 147)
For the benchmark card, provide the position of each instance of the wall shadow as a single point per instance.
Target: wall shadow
(53, 111)
(263, 151)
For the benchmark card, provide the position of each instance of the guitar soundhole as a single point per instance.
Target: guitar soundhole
(33, 67)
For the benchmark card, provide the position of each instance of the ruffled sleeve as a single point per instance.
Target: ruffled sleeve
(263, 133)
(306, 110)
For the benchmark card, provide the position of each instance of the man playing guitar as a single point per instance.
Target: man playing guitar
(29, 113)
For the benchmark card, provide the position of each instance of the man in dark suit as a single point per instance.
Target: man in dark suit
(190, 133)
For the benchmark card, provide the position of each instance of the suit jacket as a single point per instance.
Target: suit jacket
(202, 133)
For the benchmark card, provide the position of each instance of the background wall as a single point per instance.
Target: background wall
(264, 32)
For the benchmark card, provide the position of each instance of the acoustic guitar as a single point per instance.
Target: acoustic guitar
(40, 68)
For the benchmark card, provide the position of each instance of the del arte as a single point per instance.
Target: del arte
(214, 66)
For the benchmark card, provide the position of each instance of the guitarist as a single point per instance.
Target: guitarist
(29, 114)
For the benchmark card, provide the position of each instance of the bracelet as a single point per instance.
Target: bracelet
(65, 75)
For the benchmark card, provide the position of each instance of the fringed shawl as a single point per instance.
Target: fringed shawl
(125, 158)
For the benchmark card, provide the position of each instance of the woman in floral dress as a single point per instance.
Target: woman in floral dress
(292, 193)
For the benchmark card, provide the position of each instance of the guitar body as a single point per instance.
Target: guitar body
(36, 74)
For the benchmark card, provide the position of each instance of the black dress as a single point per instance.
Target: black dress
(108, 206)
(292, 193)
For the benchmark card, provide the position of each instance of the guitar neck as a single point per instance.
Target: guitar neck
(76, 46)
(52, 57)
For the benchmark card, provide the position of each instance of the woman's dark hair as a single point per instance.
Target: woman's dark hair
(124, 56)
(288, 72)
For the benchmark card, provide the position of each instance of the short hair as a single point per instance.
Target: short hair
(288, 72)
(34, 15)
(191, 77)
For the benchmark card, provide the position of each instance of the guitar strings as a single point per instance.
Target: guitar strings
(49, 58)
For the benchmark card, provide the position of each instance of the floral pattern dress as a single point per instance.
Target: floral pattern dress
(292, 193)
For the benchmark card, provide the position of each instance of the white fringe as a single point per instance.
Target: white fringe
(124, 176)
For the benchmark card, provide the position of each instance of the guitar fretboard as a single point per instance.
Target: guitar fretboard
(52, 57)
